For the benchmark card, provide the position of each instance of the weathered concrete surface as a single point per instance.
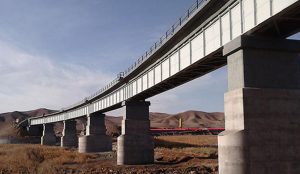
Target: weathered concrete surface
(262, 109)
(263, 134)
(95, 143)
(135, 145)
(48, 137)
(69, 135)
(263, 63)
(95, 139)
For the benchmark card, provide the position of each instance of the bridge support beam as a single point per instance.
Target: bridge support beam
(48, 137)
(262, 108)
(95, 139)
(69, 135)
(135, 145)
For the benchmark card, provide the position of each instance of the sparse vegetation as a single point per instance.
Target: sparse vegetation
(186, 141)
(36, 158)
(197, 156)
(197, 150)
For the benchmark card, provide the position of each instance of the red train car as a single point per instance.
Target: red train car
(181, 131)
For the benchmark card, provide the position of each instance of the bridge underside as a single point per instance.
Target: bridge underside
(280, 26)
(210, 63)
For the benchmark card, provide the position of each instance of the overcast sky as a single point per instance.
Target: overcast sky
(54, 53)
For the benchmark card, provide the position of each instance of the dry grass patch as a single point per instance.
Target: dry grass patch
(197, 150)
(37, 159)
(186, 141)
(174, 154)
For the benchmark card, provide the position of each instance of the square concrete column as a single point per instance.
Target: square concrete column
(49, 137)
(262, 108)
(95, 139)
(135, 145)
(69, 135)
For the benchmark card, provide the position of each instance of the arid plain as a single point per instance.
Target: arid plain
(187, 153)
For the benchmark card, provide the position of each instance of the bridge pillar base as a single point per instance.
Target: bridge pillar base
(266, 136)
(95, 139)
(49, 137)
(95, 143)
(135, 145)
(69, 138)
(135, 149)
(262, 108)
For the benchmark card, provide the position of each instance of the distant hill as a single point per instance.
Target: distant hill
(190, 119)
(12, 116)
(162, 120)
(7, 119)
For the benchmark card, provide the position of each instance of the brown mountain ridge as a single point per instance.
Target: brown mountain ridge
(191, 119)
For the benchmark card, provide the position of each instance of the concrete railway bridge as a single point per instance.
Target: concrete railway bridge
(262, 105)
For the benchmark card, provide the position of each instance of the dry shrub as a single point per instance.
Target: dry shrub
(182, 148)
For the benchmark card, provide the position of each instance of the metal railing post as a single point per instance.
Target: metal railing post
(157, 44)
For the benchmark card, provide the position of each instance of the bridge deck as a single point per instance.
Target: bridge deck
(194, 49)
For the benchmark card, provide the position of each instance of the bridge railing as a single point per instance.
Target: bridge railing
(168, 34)
(86, 99)
(180, 22)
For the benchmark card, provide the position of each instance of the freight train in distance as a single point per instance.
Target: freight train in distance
(183, 131)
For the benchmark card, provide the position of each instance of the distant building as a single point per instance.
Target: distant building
(180, 125)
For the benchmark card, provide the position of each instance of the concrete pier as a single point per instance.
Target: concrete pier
(135, 145)
(49, 137)
(69, 135)
(262, 108)
(95, 139)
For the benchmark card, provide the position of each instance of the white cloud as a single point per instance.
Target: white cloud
(29, 81)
